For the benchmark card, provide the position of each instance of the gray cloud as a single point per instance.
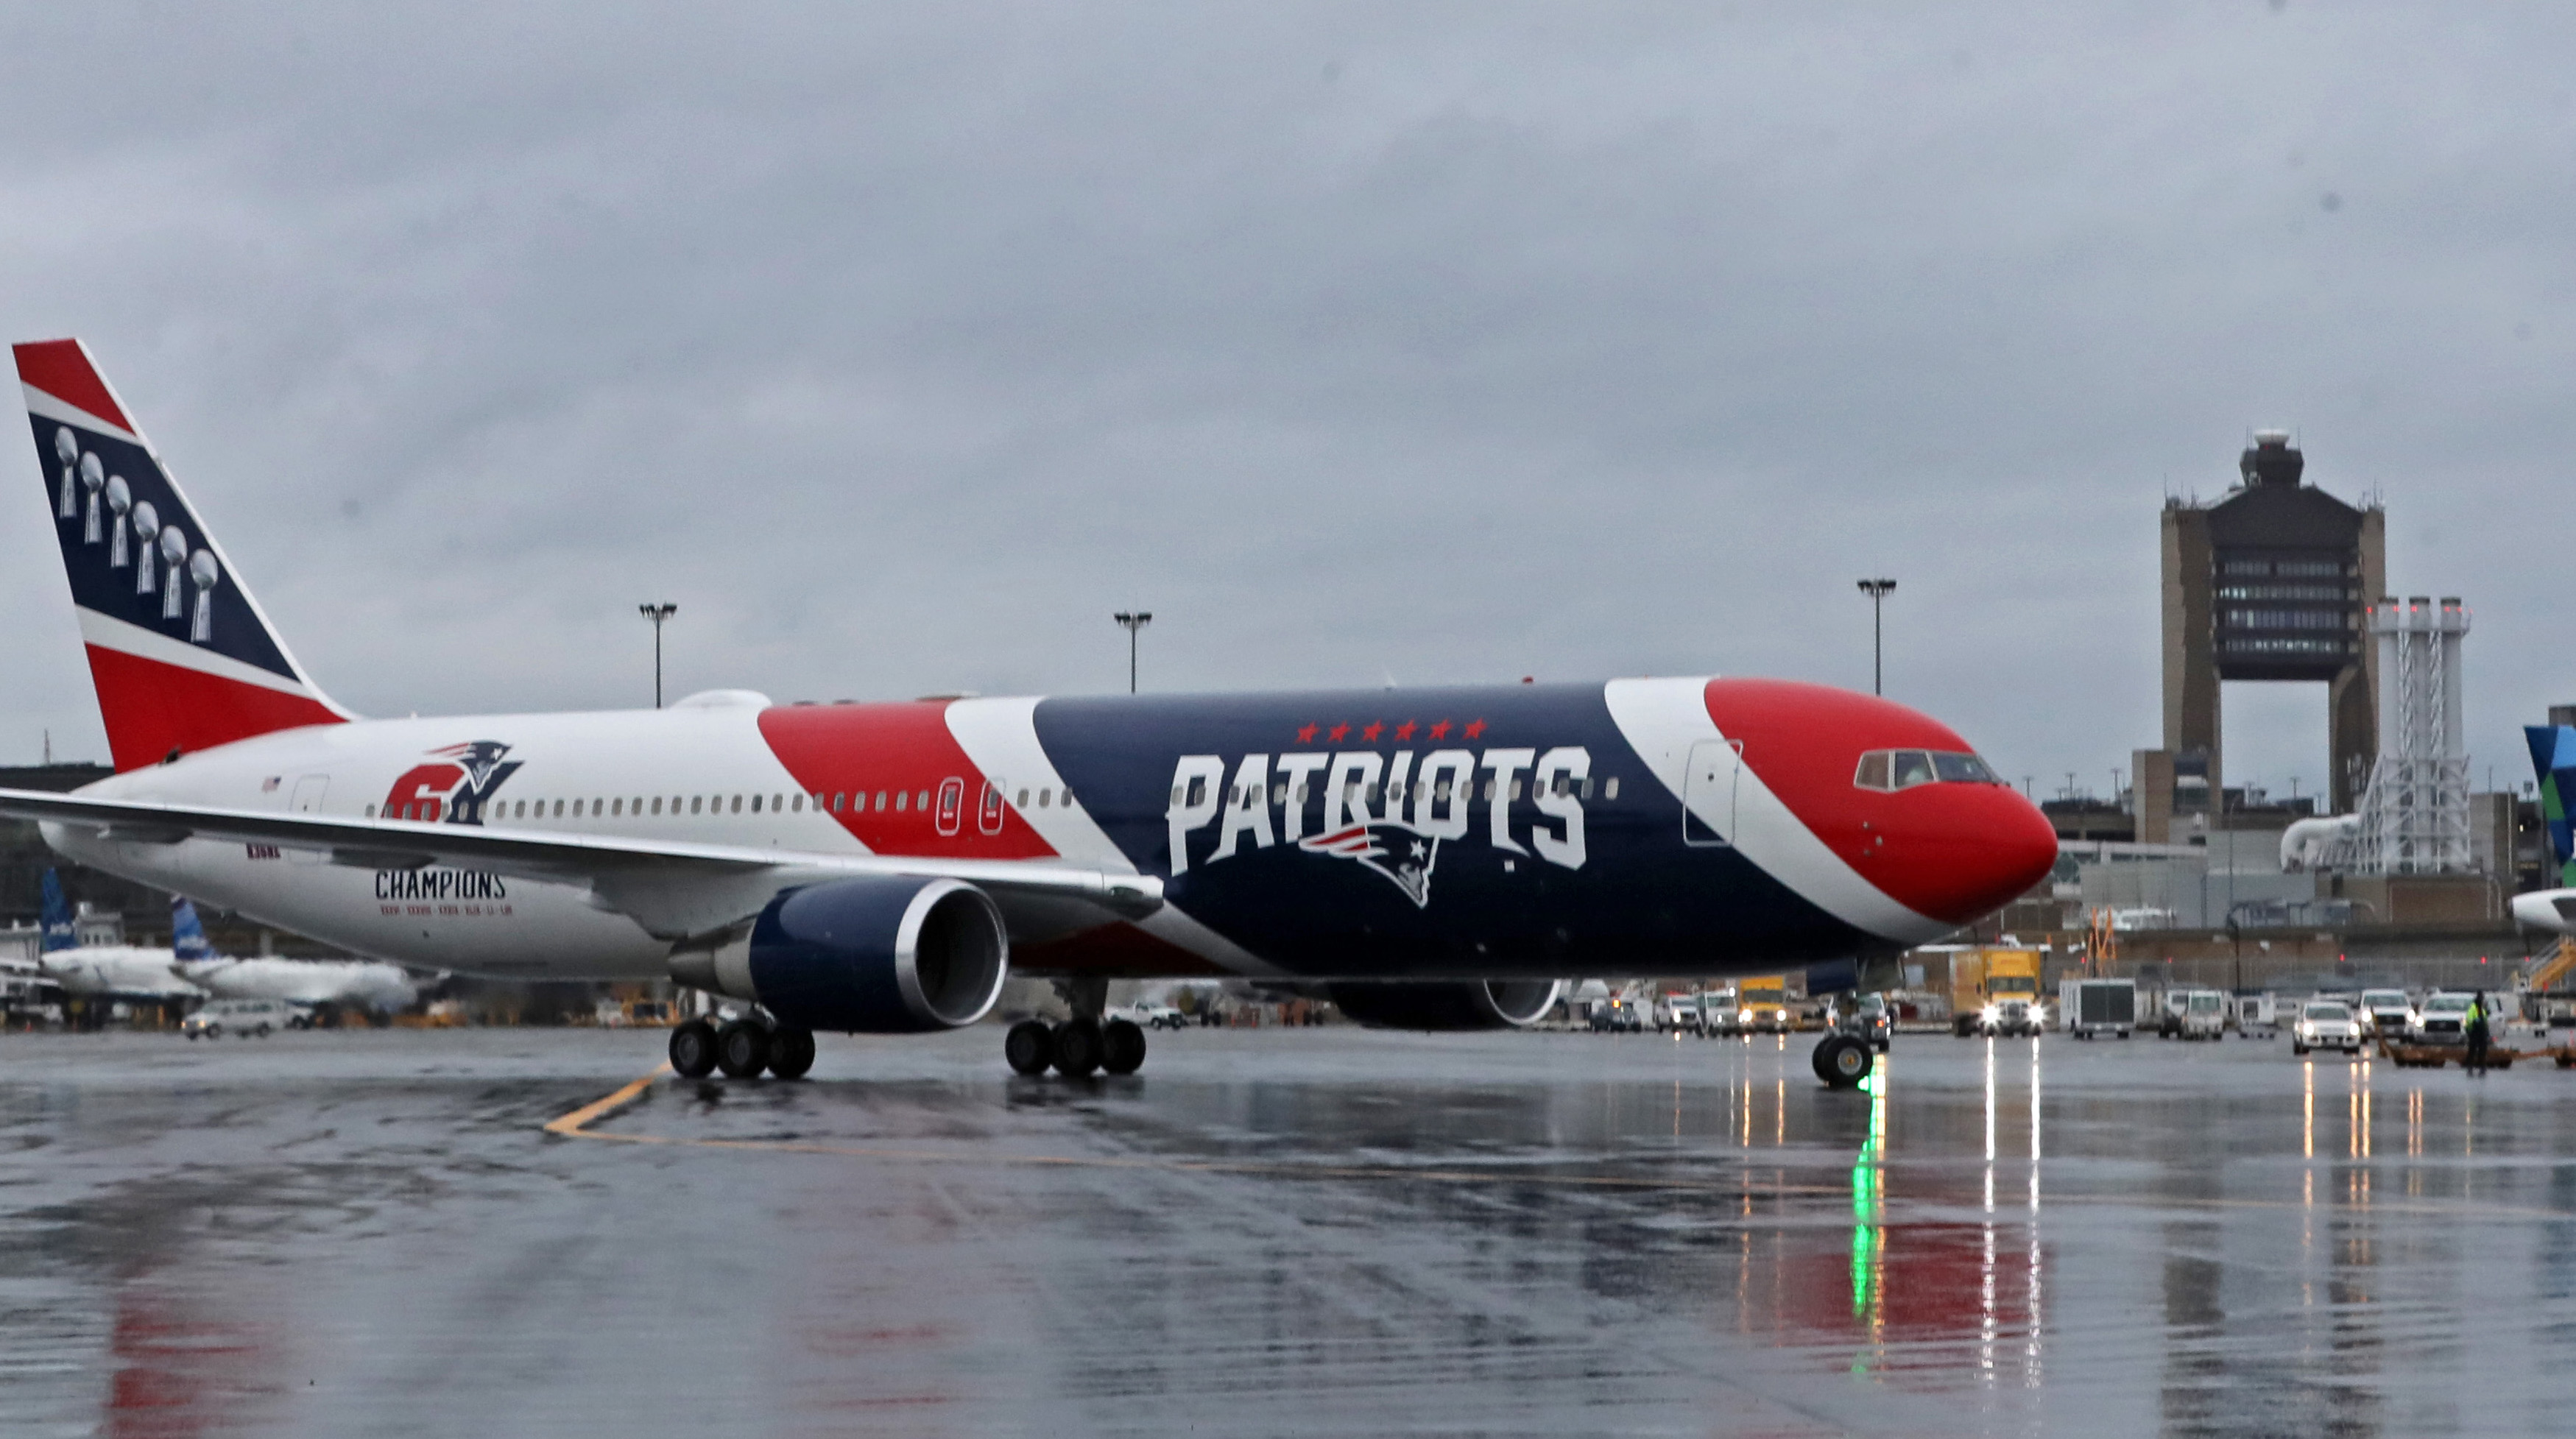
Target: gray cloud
(901, 346)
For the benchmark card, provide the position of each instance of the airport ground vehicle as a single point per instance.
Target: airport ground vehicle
(1678, 1013)
(1431, 858)
(2193, 1014)
(2325, 1024)
(2092, 1007)
(1717, 1013)
(1152, 1016)
(2257, 1015)
(2443, 1019)
(1867, 1019)
(244, 1017)
(1762, 1004)
(2386, 1013)
(1983, 980)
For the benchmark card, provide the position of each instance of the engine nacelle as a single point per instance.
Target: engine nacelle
(890, 955)
(1448, 1005)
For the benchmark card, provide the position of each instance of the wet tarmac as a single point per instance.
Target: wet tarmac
(1316, 1231)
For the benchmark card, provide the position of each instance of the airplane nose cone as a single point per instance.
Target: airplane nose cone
(2548, 909)
(1998, 847)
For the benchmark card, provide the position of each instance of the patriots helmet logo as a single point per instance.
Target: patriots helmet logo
(1403, 854)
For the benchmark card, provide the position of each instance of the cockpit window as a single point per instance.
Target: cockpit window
(1905, 768)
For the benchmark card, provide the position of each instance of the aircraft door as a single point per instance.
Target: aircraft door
(1708, 793)
(952, 806)
(988, 815)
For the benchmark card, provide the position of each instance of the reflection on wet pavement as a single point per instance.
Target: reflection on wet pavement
(1307, 1231)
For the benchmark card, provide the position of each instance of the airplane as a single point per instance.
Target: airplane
(132, 973)
(311, 983)
(1428, 858)
(2553, 758)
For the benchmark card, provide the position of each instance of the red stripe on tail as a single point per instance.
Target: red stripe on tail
(62, 369)
(152, 708)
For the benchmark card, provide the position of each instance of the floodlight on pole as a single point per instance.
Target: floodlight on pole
(1878, 591)
(1132, 621)
(657, 614)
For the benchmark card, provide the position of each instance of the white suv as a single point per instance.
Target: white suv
(2326, 1024)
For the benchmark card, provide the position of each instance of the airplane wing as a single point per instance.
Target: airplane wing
(674, 890)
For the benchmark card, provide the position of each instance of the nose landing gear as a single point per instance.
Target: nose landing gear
(1842, 1062)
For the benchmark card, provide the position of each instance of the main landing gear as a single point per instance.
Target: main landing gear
(1076, 1048)
(1842, 1061)
(742, 1048)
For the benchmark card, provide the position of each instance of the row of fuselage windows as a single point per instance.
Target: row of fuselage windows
(1354, 793)
(844, 802)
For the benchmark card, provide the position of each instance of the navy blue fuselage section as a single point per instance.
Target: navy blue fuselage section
(134, 551)
(1488, 832)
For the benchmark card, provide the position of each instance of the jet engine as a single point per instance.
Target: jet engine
(870, 955)
(1448, 1005)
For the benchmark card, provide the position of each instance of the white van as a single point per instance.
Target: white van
(244, 1017)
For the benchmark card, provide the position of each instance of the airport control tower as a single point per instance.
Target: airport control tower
(2270, 583)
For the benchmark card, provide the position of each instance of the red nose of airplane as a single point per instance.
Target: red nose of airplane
(1897, 795)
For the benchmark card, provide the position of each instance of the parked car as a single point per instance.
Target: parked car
(1152, 1016)
(2326, 1024)
(245, 1017)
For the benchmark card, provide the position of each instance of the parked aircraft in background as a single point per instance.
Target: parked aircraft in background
(105, 971)
(1433, 858)
(2553, 758)
(314, 983)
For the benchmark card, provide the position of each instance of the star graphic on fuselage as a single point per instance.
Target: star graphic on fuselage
(1404, 730)
(1371, 733)
(1338, 733)
(1306, 734)
(1440, 730)
(1474, 729)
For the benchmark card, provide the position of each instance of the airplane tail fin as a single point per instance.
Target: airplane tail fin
(188, 943)
(2553, 759)
(181, 655)
(59, 931)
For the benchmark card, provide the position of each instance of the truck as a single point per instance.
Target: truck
(1982, 981)
(1675, 1013)
(2192, 1014)
(2094, 1007)
(1762, 1002)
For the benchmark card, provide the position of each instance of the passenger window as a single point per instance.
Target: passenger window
(1042, 798)
(737, 804)
(755, 804)
(1516, 793)
(839, 801)
(1610, 788)
(777, 802)
(902, 799)
(1872, 773)
(924, 801)
(800, 805)
(881, 798)
(697, 804)
(617, 806)
(1024, 799)
(558, 809)
(1198, 790)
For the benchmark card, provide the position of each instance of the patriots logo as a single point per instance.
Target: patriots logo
(1393, 848)
(454, 787)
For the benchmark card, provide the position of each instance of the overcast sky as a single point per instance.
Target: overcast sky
(1426, 344)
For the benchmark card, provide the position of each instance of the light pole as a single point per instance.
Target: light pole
(1132, 621)
(657, 614)
(1878, 591)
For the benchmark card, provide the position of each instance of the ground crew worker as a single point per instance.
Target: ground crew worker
(2473, 1028)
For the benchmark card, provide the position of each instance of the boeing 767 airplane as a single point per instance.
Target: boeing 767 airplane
(1434, 858)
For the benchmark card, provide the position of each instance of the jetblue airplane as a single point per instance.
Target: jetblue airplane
(314, 983)
(129, 972)
(1433, 858)
(2553, 758)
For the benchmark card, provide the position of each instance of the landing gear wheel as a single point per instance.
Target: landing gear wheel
(1842, 1061)
(1122, 1047)
(1029, 1048)
(693, 1050)
(1077, 1048)
(791, 1053)
(742, 1049)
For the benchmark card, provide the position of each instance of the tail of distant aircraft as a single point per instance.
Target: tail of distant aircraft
(60, 934)
(2553, 758)
(188, 944)
(182, 656)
